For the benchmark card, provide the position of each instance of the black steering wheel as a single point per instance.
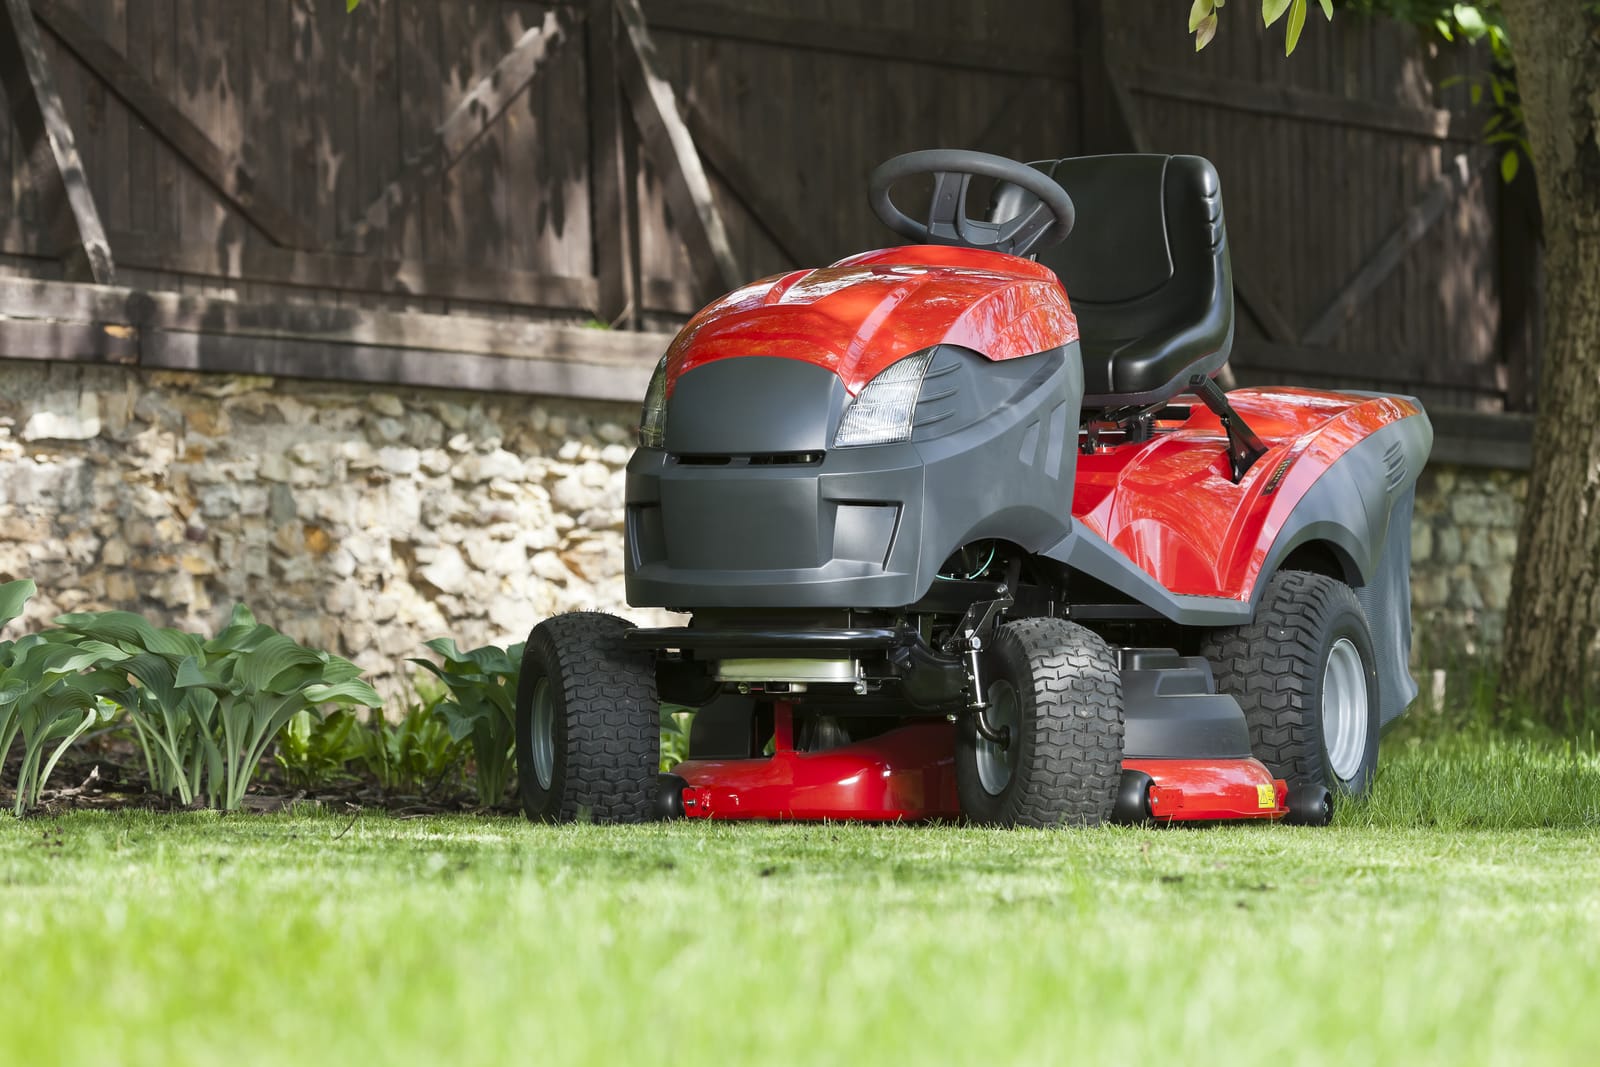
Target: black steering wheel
(1045, 219)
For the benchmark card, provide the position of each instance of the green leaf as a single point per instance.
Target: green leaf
(1471, 21)
(13, 595)
(193, 676)
(235, 636)
(1198, 13)
(130, 631)
(1477, 93)
(351, 5)
(349, 692)
(1272, 10)
(1297, 22)
(260, 667)
(1208, 30)
(1327, 9)
(1508, 165)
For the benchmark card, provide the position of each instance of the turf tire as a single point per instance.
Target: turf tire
(606, 723)
(1274, 668)
(1069, 691)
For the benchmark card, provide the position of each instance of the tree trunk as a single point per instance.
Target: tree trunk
(1552, 649)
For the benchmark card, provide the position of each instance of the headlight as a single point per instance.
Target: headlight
(653, 420)
(881, 413)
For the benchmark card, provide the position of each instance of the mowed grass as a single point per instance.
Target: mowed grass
(1454, 918)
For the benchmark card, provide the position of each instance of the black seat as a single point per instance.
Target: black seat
(1146, 268)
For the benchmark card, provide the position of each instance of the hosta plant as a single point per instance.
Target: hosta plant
(482, 685)
(315, 752)
(259, 679)
(205, 711)
(414, 755)
(171, 724)
(48, 693)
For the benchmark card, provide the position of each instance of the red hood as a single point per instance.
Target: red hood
(864, 313)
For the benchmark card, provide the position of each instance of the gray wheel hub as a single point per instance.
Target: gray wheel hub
(544, 734)
(996, 763)
(1344, 709)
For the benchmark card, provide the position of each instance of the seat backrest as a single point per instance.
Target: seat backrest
(1146, 268)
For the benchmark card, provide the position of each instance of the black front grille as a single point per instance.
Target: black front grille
(757, 459)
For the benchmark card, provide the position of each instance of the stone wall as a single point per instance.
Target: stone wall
(358, 520)
(1463, 544)
(367, 521)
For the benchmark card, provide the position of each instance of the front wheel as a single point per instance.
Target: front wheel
(1055, 690)
(588, 723)
(1305, 675)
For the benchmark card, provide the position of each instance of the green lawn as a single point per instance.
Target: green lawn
(1453, 919)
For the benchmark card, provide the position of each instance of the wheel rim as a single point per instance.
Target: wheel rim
(1344, 709)
(544, 734)
(996, 762)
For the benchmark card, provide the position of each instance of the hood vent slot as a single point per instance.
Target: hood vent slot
(1394, 464)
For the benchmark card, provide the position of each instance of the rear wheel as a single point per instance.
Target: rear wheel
(1304, 673)
(1055, 690)
(588, 722)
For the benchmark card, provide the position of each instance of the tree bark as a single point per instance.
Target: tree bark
(1552, 648)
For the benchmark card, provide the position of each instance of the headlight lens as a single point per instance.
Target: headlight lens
(653, 420)
(881, 413)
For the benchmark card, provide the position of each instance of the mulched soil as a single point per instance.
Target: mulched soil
(107, 772)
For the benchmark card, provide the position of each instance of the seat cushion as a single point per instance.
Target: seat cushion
(1146, 268)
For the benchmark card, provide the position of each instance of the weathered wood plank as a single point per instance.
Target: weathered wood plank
(217, 353)
(839, 36)
(87, 323)
(770, 213)
(1458, 174)
(1481, 439)
(1272, 321)
(228, 174)
(484, 103)
(672, 150)
(1368, 366)
(612, 211)
(35, 300)
(46, 135)
(1286, 101)
(1520, 271)
(68, 342)
(332, 272)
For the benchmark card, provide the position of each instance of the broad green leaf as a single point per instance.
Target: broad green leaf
(257, 668)
(338, 669)
(1272, 10)
(351, 692)
(155, 673)
(1198, 13)
(131, 631)
(13, 595)
(1327, 9)
(241, 626)
(1297, 22)
(1208, 30)
(1471, 21)
(457, 719)
(1508, 165)
(191, 675)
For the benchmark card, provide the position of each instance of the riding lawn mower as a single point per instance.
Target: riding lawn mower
(955, 547)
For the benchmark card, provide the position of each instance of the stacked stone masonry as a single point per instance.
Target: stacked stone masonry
(357, 520)
(367, 521)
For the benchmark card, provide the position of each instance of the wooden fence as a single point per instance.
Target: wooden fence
(337, 183)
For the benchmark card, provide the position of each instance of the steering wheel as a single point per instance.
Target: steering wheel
(1045, 219)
